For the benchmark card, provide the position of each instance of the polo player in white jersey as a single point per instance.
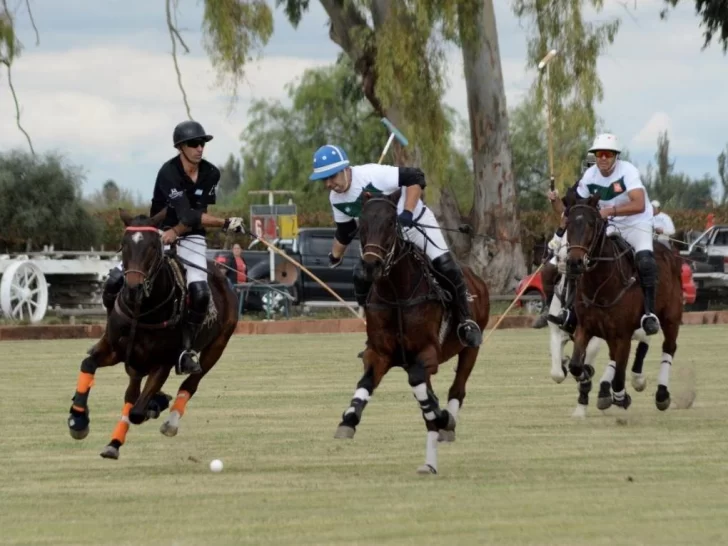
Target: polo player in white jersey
(624, 203)
(347, 184)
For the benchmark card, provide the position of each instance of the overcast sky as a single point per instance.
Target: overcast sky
(101, 86)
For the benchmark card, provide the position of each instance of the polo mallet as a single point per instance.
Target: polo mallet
(393, 133)
(545, 63)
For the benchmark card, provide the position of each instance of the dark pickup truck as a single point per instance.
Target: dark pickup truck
(311, 249)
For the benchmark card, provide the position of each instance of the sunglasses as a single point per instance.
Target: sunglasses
(604, 154)
(195, 143)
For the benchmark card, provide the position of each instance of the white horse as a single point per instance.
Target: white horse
(559, 339)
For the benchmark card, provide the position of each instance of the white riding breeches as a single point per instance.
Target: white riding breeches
(436, 245)
(638, 236)
(191, 248)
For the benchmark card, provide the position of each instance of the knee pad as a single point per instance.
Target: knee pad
(647, 266)
(199, 296)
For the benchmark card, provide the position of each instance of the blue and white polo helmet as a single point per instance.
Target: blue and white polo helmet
(327, 161)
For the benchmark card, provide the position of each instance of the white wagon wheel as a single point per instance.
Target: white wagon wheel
(24, 292)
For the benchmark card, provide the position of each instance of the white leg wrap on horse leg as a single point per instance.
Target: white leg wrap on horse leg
(608, 374)
(431, 449)
(362, 394)
(619, 395)
(453, 406)
(664, 376)
(420, 392)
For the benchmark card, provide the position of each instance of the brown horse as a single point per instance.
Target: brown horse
(409, 325)
(609, 303)
(144, 331)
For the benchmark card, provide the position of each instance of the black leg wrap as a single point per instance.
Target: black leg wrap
(639, 356)
(584, 390)
(353, 418)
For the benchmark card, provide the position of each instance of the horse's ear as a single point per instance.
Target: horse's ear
(125, 217)
(158, 218)
(593, 200)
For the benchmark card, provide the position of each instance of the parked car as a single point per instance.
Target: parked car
(708, 259)
(534, 285)
(311, 249)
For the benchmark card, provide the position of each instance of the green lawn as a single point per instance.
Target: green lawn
(521, 471)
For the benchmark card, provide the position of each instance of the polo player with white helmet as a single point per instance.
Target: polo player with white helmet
(347, 185)
(624, 203)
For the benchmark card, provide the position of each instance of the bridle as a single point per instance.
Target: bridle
(385, 255)
(590, 262)
(156, 267)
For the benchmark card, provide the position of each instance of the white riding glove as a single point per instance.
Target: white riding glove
(555, 243)
(234, 224)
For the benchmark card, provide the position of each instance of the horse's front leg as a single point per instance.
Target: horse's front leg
(436, 419)
(581, 371)
(118, 437)
(375, 367)
(621, 398)
(78, 418)
(639, 381)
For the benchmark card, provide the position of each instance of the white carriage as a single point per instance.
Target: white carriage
(33, 282)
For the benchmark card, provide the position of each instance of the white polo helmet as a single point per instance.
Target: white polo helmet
(606, 141)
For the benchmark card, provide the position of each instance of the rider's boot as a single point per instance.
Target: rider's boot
(468, 330)
(362, 285)
(566, 319)
(189, 359)
(647, 267)
(112, 287)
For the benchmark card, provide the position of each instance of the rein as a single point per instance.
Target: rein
(593, 257)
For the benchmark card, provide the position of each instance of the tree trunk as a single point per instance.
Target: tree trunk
(495, 209)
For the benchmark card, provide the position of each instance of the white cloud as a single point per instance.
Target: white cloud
(119, 103)
(646, 137)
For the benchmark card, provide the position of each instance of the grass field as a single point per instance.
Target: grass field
(521, 471)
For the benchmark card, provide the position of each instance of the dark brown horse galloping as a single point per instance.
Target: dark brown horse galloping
(145, 332)
(409, 325)
(609, 304)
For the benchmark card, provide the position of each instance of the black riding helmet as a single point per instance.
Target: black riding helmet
(189, 130)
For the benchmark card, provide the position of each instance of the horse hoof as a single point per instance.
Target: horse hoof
(451, 423)
(168, 429)
(446, 436)
(78, 425)
(662, 398)
(559, 376)
(579, 412)
(344, 432)
(110, 452)
(639, 382)
(426, 470)
(79, 434)
(604, 398)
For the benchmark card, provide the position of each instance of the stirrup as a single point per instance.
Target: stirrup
(644, 318)
(194, 357)
(467, 326)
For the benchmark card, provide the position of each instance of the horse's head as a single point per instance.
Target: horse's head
(584, 228)
(142, 251)
(378, 231)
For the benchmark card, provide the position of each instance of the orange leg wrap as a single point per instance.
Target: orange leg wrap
(122, 427)
(180, 403)
(85, 382)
